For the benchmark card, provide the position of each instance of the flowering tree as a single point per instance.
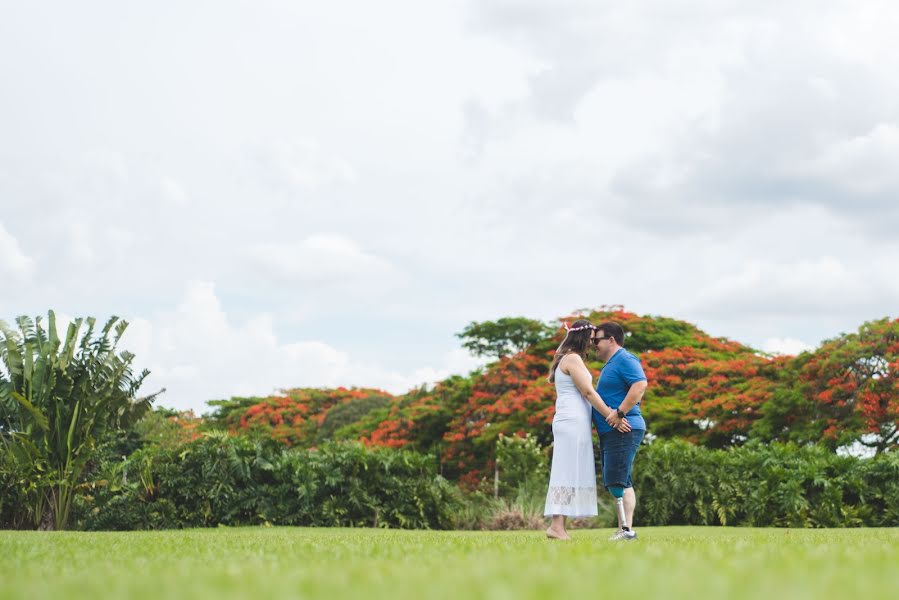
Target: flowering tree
(297, 417)
(852, 385)
(708, 390)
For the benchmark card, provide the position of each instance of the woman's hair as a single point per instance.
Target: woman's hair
(577, 341)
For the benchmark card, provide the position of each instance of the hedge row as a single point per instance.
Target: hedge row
(228, 480)
(234, 480)
(781, 485)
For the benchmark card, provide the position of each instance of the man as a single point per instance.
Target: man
(621, 385)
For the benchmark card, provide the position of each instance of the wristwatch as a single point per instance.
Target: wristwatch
(619, 413)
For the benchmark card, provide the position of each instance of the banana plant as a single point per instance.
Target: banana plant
(59, 398)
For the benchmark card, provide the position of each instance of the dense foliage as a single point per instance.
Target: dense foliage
(366, 457)
(61, 398)
(298, 416)
(709, 391)
(221, 479)
(502, 337)
(765, 486)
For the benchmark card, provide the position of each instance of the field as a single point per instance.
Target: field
(666, 562)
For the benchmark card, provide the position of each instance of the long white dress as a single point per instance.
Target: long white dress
(572, 480)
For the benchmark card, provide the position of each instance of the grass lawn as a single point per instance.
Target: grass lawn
(666, 562)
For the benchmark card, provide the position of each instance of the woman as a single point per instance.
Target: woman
(572, 480)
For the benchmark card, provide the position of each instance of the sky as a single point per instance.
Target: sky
(291, 193)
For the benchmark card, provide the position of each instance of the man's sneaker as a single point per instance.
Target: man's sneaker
(621, 534)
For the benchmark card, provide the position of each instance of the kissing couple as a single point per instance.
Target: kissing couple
(614, 407)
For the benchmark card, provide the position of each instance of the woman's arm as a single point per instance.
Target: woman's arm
(574, 366)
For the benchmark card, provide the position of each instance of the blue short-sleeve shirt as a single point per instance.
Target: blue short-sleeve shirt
(621, 371)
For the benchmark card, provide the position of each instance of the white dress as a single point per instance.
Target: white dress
(572, 480)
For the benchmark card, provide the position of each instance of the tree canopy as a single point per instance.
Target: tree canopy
(710, 391)
(508, 335)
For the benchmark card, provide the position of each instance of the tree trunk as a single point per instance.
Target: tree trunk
(48, 520)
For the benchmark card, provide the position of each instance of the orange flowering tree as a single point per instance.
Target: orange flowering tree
(511, 397)
(847, 392)
(296, 417)
(707, 390)
(415, 421)
(728, 401)
(701, 388)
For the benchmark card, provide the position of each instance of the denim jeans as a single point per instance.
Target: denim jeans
(617, 451)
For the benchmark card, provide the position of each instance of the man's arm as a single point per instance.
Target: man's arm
(634, 395)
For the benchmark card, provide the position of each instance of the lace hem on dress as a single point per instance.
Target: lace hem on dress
(571, 501)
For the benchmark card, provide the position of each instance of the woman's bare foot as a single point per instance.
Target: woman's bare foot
(555, 534)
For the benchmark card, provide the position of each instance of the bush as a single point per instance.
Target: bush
(232, 480)
(522, 466)
(781, 485)
(15, 500)
(236, 480)
(880, 490)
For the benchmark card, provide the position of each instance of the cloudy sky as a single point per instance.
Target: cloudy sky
(298, 193)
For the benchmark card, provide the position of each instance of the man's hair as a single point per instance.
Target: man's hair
(612, 330)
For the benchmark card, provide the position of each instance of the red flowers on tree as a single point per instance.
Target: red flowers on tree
(709, 390)
(852, 383)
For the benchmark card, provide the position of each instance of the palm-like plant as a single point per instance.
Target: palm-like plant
(58, 398)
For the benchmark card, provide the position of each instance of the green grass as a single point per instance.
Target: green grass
(667, 562)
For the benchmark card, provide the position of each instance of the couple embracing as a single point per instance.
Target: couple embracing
(614, 406)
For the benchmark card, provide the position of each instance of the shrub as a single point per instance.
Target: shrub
(61, 397)
(522, 465)
(232, 480)
(17, 495)
(781, 485)
(235, 480)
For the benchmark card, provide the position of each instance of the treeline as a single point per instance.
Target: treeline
(709, 391)
(737, 437)
(222, 479)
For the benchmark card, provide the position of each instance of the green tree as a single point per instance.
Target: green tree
(64, 398)
(508, 335)
(348, 413)
(849, 392)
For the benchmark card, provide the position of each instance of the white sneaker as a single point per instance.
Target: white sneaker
(621, 534)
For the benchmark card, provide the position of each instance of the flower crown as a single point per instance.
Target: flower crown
(579, 328)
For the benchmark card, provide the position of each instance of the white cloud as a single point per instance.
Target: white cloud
(454, 362)
(14, 263)
(727, 163)
(80, 247)
(325, 259)
(800, 286)
(786, 346)
(305, 164)
(862, 165)
(173, 191)
(199, 353)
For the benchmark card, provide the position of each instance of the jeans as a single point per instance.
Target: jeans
(617, 451)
